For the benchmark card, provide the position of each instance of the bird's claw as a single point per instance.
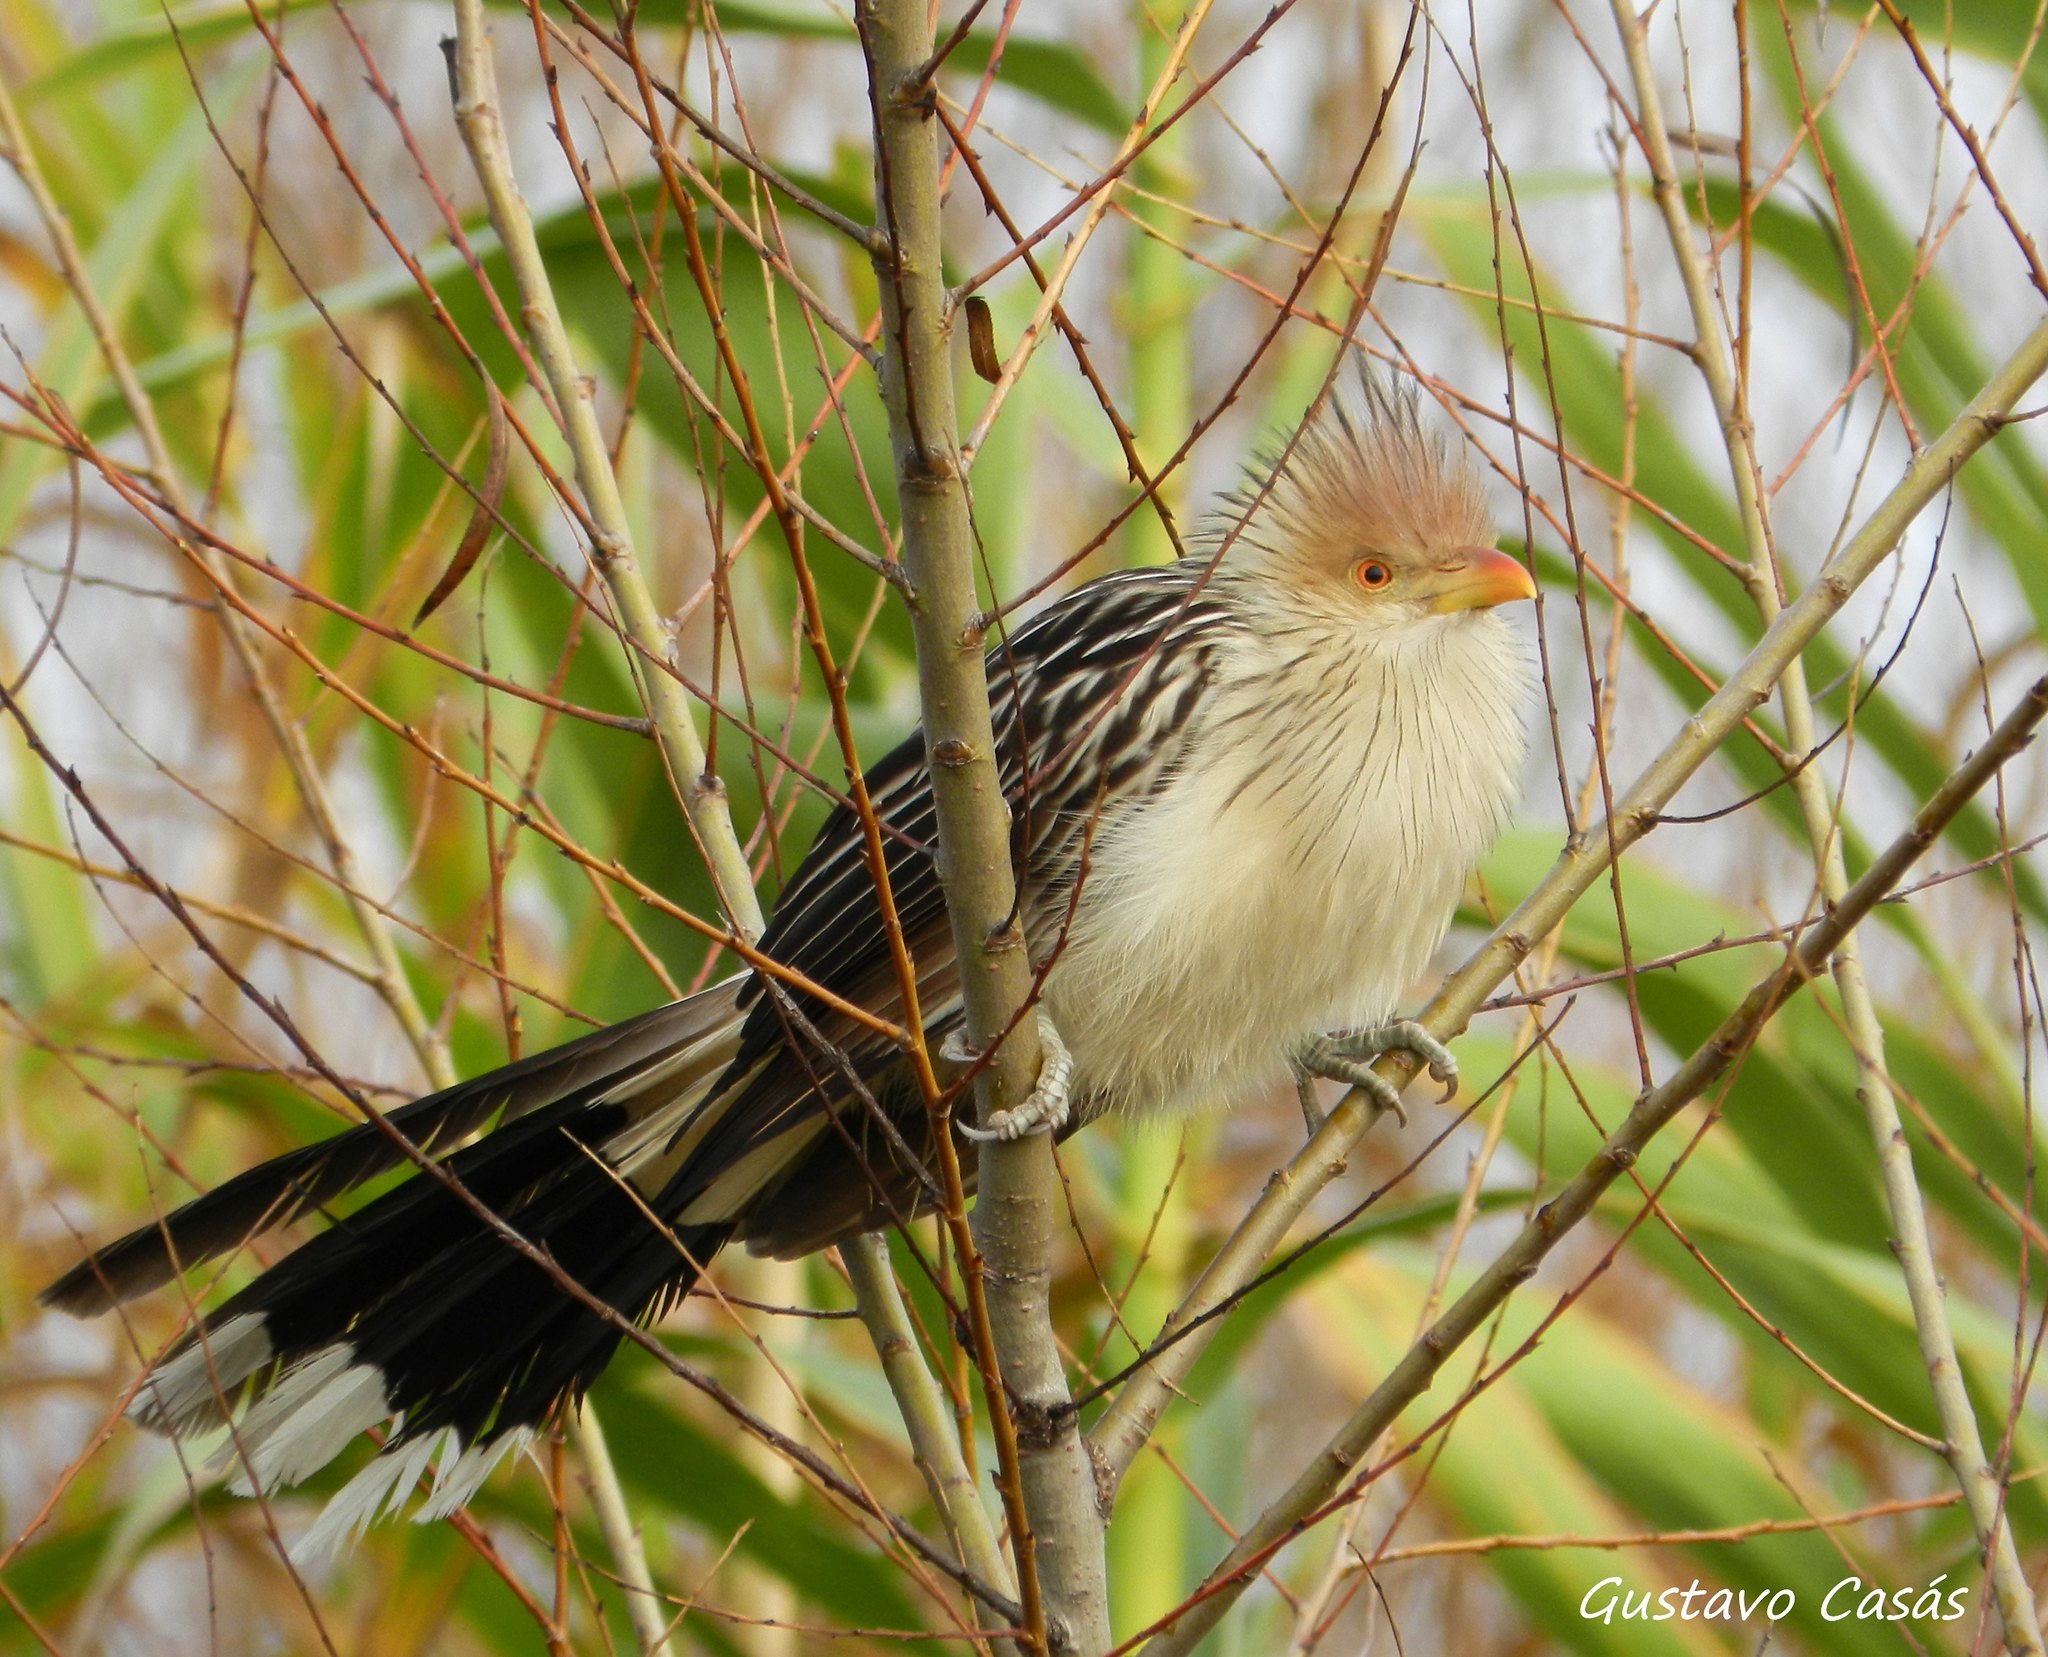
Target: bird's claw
(1348, 1058)
(1312, 1116)
(1046, 1108)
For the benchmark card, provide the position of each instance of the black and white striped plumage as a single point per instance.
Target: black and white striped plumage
(1276, 772)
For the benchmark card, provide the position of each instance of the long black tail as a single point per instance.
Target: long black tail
(415, 1307)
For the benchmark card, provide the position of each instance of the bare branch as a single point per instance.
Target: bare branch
(1307, 1499)
(1048, 1485)
(1123, 1428)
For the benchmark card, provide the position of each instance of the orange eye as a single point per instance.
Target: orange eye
(1373, 575)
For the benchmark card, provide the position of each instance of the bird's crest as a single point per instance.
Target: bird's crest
(1365, 474)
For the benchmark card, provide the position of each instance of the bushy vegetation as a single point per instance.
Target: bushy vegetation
(1730, 304)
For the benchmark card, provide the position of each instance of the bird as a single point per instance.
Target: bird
(1247, 789)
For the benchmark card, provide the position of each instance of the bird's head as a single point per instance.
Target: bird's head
(1373, 519)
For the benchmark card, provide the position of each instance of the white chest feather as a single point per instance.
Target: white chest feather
(1297, 872)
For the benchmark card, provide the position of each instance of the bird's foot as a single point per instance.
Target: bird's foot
(1312, 1113)
(1047, 1107)
(1348, 1058)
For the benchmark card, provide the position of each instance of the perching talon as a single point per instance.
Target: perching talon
(1312, 1114)
(1348, 1058)
(1049, 1103)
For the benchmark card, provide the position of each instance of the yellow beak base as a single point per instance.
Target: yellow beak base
(1489, 577)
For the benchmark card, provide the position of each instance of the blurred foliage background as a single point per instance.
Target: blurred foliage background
(1715, 1403)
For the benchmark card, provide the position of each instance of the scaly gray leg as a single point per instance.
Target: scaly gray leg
(1312, 1114)
(1046, 1109)
(1348, 1058)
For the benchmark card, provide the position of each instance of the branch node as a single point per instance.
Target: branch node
(1098, 1462)
(1004, 939)
(916, 93)
(928, 471)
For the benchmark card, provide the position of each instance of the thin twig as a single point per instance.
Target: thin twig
(1307, 1499)
(1721, 367)
(702, 793)
(1124, 1427)
(927, 1413)
(1048, 1486)
(388, 972)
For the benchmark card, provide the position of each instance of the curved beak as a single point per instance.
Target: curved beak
(1484, 578)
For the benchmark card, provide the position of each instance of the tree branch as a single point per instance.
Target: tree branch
(1048, 1486)
(927, 1415)
(644, 1605)
(1122, 1429)
(702, 793)
(1307, 1499)
(1723, 372)
(387, 971)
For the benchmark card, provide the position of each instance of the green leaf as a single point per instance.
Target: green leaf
(678, 1466)
(1052, 71)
